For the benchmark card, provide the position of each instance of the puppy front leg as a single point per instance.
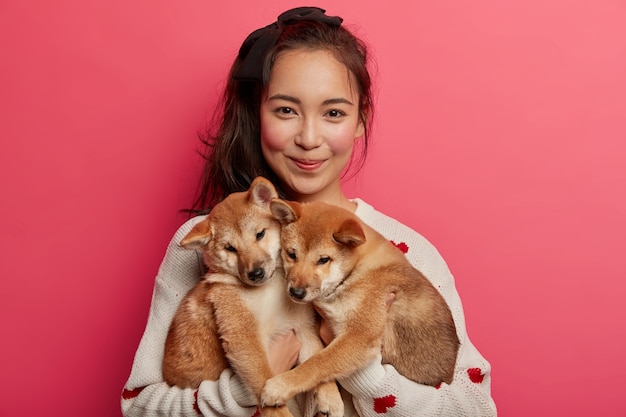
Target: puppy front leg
(242, 344)
(327, 396)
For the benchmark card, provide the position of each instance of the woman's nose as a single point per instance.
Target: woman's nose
(309, 136)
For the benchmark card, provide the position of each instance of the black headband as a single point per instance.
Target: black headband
(258, 43)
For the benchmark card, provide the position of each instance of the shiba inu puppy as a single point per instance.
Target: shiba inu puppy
(229, 317)
(347, 269)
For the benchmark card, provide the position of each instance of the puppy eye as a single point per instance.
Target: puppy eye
(292, 255)
(260, 235)
(323, 260)
(230, 248)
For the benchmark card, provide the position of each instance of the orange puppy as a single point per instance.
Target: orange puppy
(229, 318)
(347, 269)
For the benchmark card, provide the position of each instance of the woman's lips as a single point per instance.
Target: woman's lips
(307, 165)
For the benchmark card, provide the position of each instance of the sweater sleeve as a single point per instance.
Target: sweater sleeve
(379, 389)
(145, 393)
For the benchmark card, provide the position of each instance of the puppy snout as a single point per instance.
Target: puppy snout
(256, 274)
(297, 293)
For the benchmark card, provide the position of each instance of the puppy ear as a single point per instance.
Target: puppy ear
(285, 211)
(350, 233)
(261, 192)
(198, 237)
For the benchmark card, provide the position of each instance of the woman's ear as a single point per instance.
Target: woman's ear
(360, 129)
(364, 118)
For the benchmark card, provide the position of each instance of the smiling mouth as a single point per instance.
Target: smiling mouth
(307, 165)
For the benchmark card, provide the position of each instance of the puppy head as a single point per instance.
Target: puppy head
(319, 244)
(240, 236)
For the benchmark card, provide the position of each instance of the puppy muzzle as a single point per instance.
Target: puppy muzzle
(256, 275)
(297, 294)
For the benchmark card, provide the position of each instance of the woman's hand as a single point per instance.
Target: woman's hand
(283, 352)
(326, 334)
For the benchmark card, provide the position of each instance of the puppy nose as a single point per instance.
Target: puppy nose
(256, 274)
(298, 293)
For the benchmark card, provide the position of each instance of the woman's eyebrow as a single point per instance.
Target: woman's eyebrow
(284, 97)
(339, 100)
(295, 100)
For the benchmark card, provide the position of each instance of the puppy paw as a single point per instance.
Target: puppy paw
(275, 393)
(329, 402)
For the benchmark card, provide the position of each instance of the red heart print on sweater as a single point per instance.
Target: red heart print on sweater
(195, 403)
(383, 403)
(475, 375)
(402, 246)
(128, 394)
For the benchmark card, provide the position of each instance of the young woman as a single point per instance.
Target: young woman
(297, 101)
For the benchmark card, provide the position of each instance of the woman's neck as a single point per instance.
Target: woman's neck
(336, 198)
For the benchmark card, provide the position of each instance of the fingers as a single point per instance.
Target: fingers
(326, 334)
(283, 352)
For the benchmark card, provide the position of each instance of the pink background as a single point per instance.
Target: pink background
(500, 135)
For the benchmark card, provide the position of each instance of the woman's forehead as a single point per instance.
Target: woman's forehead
(311, 72)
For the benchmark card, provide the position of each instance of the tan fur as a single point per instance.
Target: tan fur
(229, 318)
(347, 269)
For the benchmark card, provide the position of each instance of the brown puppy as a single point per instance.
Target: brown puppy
(347, 269)
(229, 318)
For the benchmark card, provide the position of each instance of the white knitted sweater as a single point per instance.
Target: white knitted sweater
(376, 390)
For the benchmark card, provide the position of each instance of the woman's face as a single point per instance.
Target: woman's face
(309, 122)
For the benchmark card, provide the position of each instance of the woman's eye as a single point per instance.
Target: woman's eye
(230, 248)
(260, 235)
(334, 114)
(323, 260)
(286, 111)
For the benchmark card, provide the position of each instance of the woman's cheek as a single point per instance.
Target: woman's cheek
(342, 139)
(271, 137)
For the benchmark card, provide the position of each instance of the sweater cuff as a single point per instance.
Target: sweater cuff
(365, 381)
(240, 393)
